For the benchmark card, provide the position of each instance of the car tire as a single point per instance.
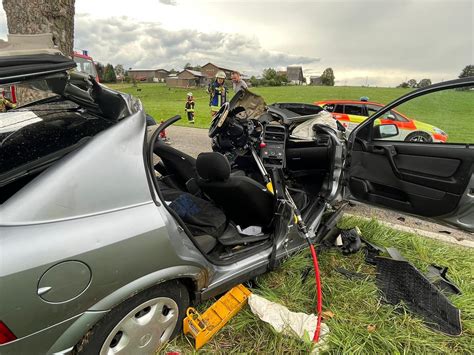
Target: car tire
(419, 137)
(141, 324)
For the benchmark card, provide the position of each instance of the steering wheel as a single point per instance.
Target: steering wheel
(219, 120)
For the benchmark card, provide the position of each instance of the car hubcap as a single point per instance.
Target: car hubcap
(418, 139)
(144, 329)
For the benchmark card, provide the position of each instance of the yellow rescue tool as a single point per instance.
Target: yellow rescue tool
(203, 327)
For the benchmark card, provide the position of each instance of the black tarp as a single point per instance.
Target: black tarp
(21, 67)
(200, 216)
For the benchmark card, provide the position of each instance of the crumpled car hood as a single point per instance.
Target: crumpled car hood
(253, 104)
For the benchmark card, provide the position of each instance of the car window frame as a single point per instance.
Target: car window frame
(339, 104)
(356, 105)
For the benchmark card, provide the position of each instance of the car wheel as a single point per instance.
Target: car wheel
(419, 137)
(141, 324)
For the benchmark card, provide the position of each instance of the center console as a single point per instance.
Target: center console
(273, 152)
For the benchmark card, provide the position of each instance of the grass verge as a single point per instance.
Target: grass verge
(362, 323)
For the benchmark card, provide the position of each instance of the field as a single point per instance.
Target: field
(452, 111)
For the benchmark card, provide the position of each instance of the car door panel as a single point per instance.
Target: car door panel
(435, 166)
(381, 186)
(441, 167)
(430, 180)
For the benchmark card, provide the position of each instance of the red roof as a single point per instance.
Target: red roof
(80, 55)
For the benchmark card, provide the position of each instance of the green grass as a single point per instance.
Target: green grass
(356, 304)
(451, 111)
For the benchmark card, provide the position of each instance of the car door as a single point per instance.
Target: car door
(428, 179)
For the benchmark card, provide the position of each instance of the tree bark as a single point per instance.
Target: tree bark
(43, 16)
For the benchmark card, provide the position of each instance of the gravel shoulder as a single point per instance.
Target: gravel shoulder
(195, 140)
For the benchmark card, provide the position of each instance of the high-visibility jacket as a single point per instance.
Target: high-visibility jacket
(189, 107)
(4, 103)
(218, 95)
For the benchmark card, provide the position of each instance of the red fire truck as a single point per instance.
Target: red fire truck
(8, 92)
(85, 63)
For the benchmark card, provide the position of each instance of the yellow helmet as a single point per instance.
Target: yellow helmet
(220, 75)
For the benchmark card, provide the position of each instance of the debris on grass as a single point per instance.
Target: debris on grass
(371, 328)
(327, 315)
(286, 322)
(355, 303)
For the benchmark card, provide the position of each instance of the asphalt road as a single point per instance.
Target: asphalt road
(195, 140)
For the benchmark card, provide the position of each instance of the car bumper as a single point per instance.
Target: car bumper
(57, 339)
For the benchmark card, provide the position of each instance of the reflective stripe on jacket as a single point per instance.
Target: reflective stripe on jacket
(189, 107)
(218, 95)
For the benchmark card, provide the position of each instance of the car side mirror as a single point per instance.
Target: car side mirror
(385, 131)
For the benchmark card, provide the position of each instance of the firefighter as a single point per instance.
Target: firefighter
(5, 104)
(217, 92)
(189, 107)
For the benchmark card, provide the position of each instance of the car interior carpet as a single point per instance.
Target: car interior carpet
(401, 282)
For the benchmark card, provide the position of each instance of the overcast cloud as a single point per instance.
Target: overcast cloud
(149, 45)
(377, 42)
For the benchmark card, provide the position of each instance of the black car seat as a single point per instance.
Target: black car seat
(204, 220)
(176, 163)
(244, 201)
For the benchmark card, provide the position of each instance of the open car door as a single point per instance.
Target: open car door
(388, 168)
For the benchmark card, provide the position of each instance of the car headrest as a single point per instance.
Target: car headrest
(213, 166)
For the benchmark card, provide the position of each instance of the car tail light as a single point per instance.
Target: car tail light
(6, 334)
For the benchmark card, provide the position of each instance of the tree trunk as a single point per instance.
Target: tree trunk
(43, 16)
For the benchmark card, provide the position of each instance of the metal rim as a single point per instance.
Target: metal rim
(144, 329)
(419, 138)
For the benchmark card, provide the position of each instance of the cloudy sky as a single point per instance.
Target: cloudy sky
(378, 42)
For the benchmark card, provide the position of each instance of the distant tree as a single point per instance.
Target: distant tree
(282, 78)
(100, 70)
(269, 74)
(403, 85)
(465, 73)
(188, 66)
(109, 74)
(197, 68)
(270, 77)
(173, 71)
(424, 83)
(254, 81)
(412, 83)
(127, 77)
(119, 71)
(327, 78)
